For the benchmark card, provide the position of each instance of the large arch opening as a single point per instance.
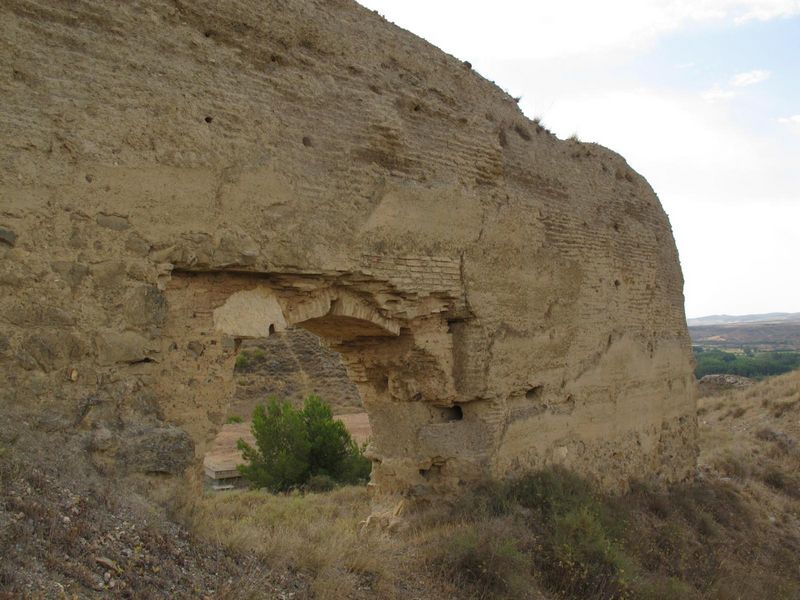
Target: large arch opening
(290, 366)
(399, 360)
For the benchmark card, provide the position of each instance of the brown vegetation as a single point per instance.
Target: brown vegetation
(733, 533)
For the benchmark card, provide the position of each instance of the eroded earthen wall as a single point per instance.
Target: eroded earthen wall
(175, 177)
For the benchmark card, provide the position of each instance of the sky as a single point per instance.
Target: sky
(702, 97)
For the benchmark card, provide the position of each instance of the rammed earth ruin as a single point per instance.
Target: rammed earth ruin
(178, 176)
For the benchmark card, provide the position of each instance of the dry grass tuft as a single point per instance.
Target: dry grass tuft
(319, 534)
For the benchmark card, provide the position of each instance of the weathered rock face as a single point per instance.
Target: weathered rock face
(176, 177)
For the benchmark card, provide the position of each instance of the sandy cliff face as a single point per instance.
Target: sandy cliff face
(178, 176)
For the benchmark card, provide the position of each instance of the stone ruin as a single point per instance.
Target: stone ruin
(176, 177)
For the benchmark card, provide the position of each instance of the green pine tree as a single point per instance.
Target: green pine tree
(281, 457)
(293, 446)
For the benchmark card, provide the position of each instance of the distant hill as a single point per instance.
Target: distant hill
(731, 319)
(757, 335)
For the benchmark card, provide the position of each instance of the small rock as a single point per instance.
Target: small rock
(145, 305)
(8, 237)
(114, 222)
(105, 562)
(196, 348)
(72, 272)
(715, 383)
(127, 347)
(66, 520)
(137, 245)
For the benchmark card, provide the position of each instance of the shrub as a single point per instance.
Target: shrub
(591, 563)
(761, 364)
(248, 360)
(233, 419)
(242, 361)
(320, 483)
(581, 552)
(281, 458)
(487, 557)
(738, 412)
(778, 479)
(733, 464)
(293, 446)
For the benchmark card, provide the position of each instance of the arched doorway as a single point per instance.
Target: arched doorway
(422, 440)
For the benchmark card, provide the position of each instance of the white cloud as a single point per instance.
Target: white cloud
(749, 78)
(793, 120)
(736, 259)
(540, 30)
(673, 139)
(717, 94)
(766, 10)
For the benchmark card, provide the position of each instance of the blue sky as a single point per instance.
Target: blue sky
(702, 97)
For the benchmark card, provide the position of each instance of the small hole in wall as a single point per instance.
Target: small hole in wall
(381, 383)
(271, 329)
(522, 132)
(534, 393)
(502, 138)
(208, 119)
(433, 471)
(144, 360)
(307, 142)
(455, 326)
(617, 283)
(453, 413)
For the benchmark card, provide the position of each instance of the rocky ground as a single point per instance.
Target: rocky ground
(67, 538)
(712, 385)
